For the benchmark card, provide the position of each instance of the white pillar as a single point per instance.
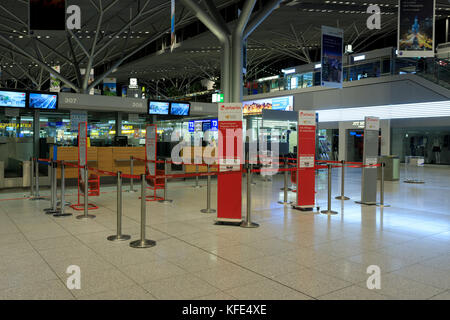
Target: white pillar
(385, 126)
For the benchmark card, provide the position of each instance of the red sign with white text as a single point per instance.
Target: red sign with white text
(306, 151)
(229, 186)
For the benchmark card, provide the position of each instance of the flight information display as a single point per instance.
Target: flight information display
(46, 101)
(179, 109)
(158, 107)
(13, 99)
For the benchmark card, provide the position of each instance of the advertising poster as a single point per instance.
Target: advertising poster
(55, 83)
(150, 149)
(332, 48)
(416, 28)
(279, 103)
(229, 186)
(82, 147)
(306, 160)
(172, 26)
(110, 87)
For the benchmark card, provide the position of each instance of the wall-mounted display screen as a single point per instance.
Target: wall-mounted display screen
(13, 99)
(203, 125)
(158, 107)
(45, 101)
(279, 103)
(179, 109)
(206, 125)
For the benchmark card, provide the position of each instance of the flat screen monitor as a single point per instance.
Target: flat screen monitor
(158, 107)
(43, 101)
(180, 109)
(13, 99)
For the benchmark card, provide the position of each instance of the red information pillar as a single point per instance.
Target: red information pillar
(306, 151)
(230, 156)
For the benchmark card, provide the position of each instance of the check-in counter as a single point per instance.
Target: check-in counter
(104, 158)
(188, 155)
(121, 159)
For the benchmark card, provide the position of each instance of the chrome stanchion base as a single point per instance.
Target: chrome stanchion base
(342, 198)
(121, 237)
(248, 224)
(142, 243)
(414, 181)
(383, 205)
(66, 204)
(285, 203)
(197, 187)
(37, 198)
(208, 211)
(57, 211)
(165, 201)
(328, 212)
(82, 216)
(302, 208)
(58, 215)
(132, 191)
(289, 189)
(366, 203)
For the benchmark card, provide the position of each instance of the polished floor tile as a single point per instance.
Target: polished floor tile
(292, 255)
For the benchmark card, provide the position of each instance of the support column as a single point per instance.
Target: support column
(385, 126)
(236, 74)
(232, 43)
(118, 124)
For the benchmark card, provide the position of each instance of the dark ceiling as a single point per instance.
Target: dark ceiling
(291, 32)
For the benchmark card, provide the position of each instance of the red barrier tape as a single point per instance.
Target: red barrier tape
(68, 164)
(109, 173)
(130, 176)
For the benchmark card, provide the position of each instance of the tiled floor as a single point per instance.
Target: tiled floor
(293, 255)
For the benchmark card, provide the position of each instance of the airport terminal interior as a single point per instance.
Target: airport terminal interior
(224, 150)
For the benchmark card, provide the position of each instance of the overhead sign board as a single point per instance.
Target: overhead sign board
(416, 28)
(332, 53)
(74, 101)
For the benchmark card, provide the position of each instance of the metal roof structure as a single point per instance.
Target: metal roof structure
(131, 38)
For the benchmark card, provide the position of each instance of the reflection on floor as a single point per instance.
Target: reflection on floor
(293, 255)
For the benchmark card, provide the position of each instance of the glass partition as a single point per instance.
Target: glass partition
(434, 69)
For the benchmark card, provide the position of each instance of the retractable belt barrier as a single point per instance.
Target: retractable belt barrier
(145, 243)
(34, 180)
